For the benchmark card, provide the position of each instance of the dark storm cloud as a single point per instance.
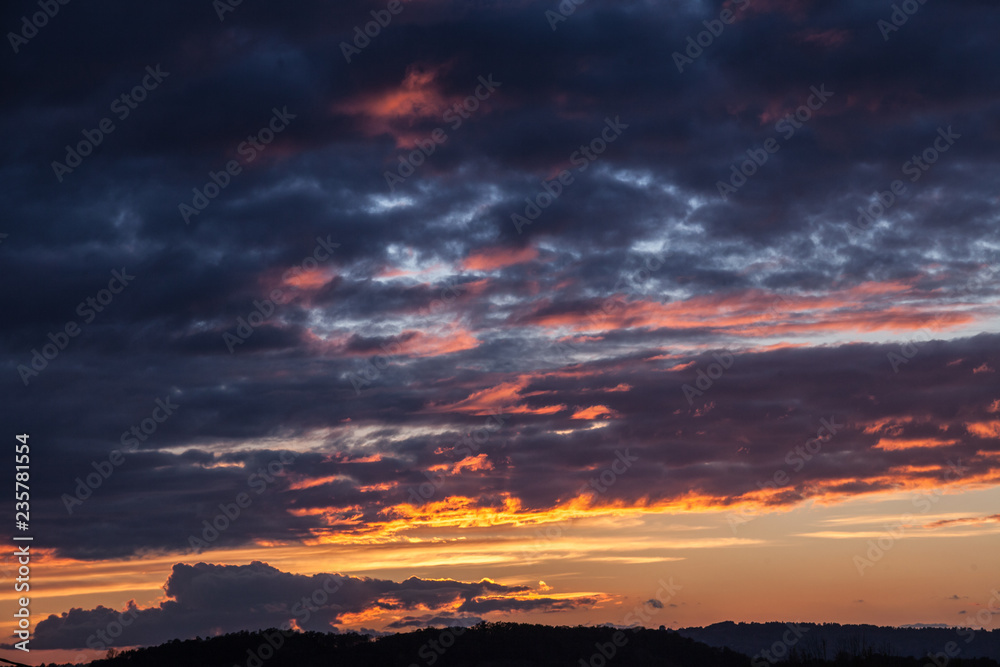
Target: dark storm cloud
(744, 429)
(403, 274)
(207, 600)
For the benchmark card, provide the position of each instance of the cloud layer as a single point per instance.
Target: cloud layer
(205, 599)
(550, 311)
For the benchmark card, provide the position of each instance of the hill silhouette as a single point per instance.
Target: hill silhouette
(483, 645)
(826, 640)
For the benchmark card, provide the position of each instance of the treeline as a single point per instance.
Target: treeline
(779, 641)
(486, 644)
(483, 645)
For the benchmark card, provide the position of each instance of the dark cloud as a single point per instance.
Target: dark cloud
(752, 427)
(380, 363)
(206, 600)
(533, 604)
(965, 520)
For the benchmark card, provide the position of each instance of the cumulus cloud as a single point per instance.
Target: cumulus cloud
(206, 599)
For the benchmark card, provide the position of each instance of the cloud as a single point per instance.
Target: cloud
(484, 605)
(972, 520)
(207, 600)
(627, 285)
(356, 459)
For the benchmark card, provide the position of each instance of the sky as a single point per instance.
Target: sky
(436, 312)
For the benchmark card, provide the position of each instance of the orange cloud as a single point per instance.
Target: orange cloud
(987, 430)
(473, 463)
(467, 512)
(547, 410)
(486, 401)
(964, 521)
(593, 412)
(891, 425)
(408, 343)
(868, 307)
(892, 445)
(309, 279)
(497, 258)
(397, 523)
(506, 395)
(394, 111)
(429, 345)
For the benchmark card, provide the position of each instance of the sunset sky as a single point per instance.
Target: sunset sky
(506, 310)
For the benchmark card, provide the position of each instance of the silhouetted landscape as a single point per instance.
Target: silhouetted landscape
(522, 645)
(827, 640)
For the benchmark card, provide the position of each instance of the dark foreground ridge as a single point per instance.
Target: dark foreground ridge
(827, 640)
(483, 645)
